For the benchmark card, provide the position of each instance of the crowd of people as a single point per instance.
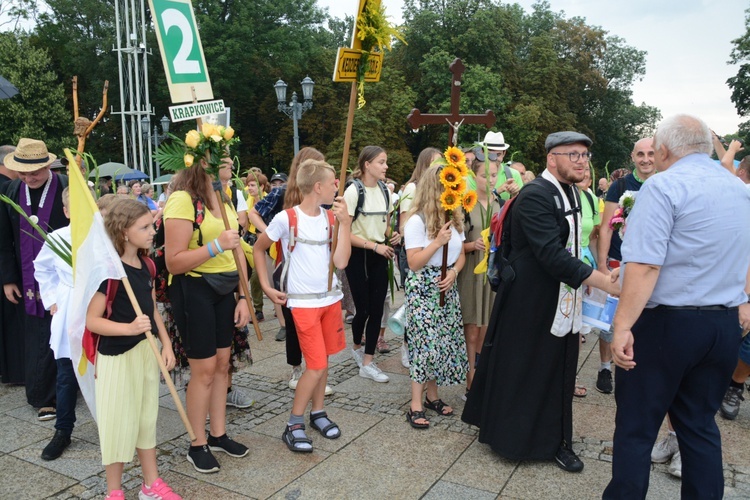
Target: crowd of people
(680, 269)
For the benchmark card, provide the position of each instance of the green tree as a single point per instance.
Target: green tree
(38, 111)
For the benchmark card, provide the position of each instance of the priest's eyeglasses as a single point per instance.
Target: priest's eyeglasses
(575, 156)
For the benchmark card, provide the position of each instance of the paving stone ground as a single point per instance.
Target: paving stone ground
(378, 455)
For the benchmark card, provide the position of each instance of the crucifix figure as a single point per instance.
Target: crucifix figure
(455, 119)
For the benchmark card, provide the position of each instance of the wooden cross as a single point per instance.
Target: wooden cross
(455, 119)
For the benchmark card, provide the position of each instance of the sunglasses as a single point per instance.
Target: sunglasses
(479, 153)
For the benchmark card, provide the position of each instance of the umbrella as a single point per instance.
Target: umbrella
(162, 179)
(7, 89)
(134, 175)
(118, 171)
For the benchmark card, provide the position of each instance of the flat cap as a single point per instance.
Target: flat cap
(561, 138)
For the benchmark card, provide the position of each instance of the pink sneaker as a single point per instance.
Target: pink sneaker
(115, 494)
(159, 489)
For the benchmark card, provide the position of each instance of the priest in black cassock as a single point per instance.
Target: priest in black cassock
(522, 395)
(38, 192)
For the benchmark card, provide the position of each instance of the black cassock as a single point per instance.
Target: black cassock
(11, 340)
(28, 348)
(522, 393)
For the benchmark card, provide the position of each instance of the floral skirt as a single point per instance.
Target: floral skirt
(437, 348)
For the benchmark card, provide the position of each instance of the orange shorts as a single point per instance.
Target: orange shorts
(321, 333)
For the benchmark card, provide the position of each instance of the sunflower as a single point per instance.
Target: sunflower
(469, 201)
(459, 187)
(455, 156)
(463, 169)
(450, 200)
(450, 176)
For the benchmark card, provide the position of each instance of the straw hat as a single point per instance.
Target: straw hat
(30, 155)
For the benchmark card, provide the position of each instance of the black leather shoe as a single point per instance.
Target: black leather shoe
(56, 446)
(567, 460)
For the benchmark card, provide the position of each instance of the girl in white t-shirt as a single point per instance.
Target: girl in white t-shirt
(436, 341)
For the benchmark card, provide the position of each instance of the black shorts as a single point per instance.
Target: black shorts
(204, 319)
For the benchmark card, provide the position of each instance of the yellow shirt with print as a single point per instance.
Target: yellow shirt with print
(180, 206)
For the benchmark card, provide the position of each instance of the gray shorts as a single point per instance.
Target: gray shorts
(607, 335)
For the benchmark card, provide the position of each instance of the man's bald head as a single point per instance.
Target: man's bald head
(643, 157)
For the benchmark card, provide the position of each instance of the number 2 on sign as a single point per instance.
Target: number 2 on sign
(182, 65)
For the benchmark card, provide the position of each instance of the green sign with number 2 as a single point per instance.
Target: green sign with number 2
(181, 49)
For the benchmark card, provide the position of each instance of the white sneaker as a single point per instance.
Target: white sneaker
(296, 374)
(358, 355)
(329, 391)
(405, 356)
(665, 449)
(675, 466)
(372, 371)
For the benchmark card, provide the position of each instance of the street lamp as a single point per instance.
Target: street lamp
(295, 109)
(156, 137)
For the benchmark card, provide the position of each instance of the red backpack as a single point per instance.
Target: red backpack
(90, 339)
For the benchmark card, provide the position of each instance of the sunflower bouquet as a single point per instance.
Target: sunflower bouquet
(211, 143)
(455, 195)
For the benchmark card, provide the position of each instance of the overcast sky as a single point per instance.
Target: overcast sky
(687, 43)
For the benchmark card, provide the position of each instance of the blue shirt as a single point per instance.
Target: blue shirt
(271, 204)
(692, 220)
(615, 192)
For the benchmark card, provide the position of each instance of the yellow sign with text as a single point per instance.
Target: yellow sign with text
(347, 65)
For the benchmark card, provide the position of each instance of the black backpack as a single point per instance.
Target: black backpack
(361, 198)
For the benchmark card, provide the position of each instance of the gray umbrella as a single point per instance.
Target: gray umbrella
(7, 89)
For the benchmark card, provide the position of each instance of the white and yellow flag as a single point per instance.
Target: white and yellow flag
(94, 261)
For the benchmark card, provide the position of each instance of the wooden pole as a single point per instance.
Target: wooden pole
(342, 175)
(237, 252)
(162, 366)
(444, 267)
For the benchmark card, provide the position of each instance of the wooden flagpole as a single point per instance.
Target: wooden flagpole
(342, 175)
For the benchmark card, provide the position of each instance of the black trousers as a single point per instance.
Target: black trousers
(41, 368)
(684, 361)
(367, 273)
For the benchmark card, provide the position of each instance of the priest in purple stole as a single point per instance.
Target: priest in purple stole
(38, 191)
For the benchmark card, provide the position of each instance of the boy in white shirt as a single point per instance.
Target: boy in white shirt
(315, 309)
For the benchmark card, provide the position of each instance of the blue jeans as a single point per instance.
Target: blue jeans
(67, 395)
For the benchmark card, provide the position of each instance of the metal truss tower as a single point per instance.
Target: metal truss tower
(132, 53)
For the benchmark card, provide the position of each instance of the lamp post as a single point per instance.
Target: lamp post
(295, 109)
(156, 137)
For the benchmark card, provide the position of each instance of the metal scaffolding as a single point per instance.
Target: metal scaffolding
(132, 54)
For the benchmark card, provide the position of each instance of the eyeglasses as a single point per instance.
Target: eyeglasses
(575, 156)
(479, 154)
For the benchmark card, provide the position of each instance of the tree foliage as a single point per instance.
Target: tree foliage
(539, 72)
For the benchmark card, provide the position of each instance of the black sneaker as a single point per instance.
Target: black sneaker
(604, 381)
(56, 446)
(203, 460)
(567, 460)
(259, 316)
(228, 446)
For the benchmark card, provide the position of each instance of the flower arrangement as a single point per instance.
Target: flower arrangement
(211, 143)
(453, 178)
(376, 34)
(625, 205)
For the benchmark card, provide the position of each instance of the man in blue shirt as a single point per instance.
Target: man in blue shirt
(677, 328)
(609, 241)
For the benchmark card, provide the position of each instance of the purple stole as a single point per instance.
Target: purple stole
(30, 245)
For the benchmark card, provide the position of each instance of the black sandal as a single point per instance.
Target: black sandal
(412, 416)
(324, 430)
(292, 441)
(438, 406)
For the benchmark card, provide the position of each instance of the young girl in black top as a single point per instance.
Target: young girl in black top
(127, 383)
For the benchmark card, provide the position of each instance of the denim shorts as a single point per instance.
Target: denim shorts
(745, 349)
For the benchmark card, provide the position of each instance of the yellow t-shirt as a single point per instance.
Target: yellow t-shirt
(369, 227)
(180, 206)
